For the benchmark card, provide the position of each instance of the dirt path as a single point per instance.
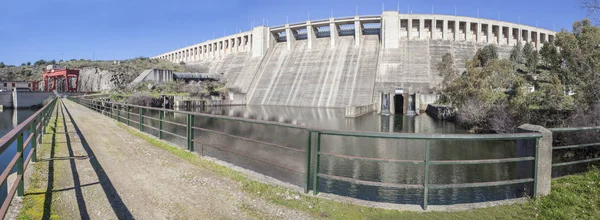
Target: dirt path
(101, 171)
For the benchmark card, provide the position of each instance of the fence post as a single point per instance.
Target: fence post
(426, 177)
(542, 148)
(161, 116)
(308, 146)
(119, 112)
(316, 169)
(128, 115)
(190, 132)
(33, 131)
(20, 188)
(141, 119)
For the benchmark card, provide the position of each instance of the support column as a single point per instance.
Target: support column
(537, 41)
(468, 31)
(490, 33)
(421, 29)
(510, 36)
(357, 31)
(333, 29)
(310, 35)
(478, 32)
(390, 32)
(409, 28)
(290, 38)
(433, 29)
(456, 30)
(501, 40)
(444, 29)
(262, 40)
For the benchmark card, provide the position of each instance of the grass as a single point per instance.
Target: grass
(572, 197)
(35, 195)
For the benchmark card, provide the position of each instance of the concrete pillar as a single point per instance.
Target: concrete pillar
(468, 31)
(544, 156)
(433, 29)
(422, 29)
(538, 45)
(333, 29)
(490, 33)
(357, 31)
(456, 30)
(310, 35)
(260, 41)
(409, 28)
(290, 38)
(501, 40)
(509, 36)
(478, 32)
(445, 30)
(390, 29)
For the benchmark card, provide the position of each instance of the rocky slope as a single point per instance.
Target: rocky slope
(95, 76)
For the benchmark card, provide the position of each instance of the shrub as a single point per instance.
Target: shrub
(143, 99)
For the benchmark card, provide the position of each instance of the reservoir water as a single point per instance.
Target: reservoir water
(9, 119)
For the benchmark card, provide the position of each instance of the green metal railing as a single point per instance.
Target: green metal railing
(575, 146)
(36, 126)
(313, 153)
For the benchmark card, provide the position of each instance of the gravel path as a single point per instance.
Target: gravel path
(104, 172)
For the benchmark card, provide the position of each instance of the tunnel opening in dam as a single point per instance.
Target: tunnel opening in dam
(399, 104)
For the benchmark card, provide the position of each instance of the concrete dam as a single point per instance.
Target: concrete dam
(388, 59)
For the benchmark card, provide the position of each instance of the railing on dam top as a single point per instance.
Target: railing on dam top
(311, 151)
(36, 126)
(573, 138)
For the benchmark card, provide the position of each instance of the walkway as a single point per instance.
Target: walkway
(98, 170)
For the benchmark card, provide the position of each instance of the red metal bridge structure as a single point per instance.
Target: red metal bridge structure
(52, 73)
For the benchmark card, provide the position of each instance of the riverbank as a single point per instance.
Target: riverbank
(572, 197)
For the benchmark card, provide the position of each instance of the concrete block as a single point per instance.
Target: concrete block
(544, 172)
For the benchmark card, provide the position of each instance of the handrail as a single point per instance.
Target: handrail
(350, 133)
(312, 165)
(574, 146)
(572, 129)
(36, 125)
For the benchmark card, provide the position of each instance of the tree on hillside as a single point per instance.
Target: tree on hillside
(2, 65)
(447, 70)
(516, 54)
(28, 63)
(531, 56)
(39, 63)
(487, 54)
(549, 56)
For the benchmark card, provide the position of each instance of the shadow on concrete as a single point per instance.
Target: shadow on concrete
(50, 185)
(83, 213)
(116, 203)
(61, 190)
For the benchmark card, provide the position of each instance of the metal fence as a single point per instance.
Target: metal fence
(308, 147)
(574, 146)
(35, 125)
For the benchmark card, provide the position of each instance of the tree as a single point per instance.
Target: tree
(39, 63)
(447, 70)
(593, 7)
(549, 56)
(2, 65)
(531, 56)
(28, 63)
(516, 54)
(486, 54)
(22, 64)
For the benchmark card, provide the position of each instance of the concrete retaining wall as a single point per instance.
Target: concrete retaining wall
(356, 111)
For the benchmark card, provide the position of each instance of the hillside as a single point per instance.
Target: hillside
(94, 75)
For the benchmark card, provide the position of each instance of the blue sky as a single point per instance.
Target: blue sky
(119, 29)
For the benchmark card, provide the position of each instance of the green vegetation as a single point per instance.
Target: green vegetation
(572, 197)
(549, 87)
(34, 206)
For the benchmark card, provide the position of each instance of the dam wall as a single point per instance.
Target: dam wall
(350, 61)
